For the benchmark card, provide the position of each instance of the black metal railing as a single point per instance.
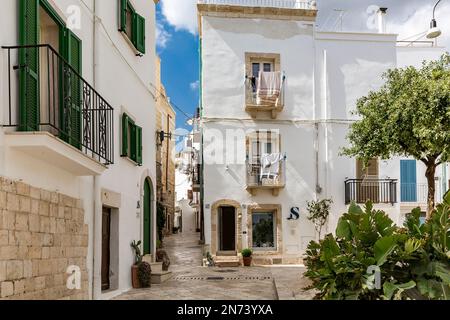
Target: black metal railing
(254, 99)
(47, 94)
(257, 176)
(196, 179)
(375, 190)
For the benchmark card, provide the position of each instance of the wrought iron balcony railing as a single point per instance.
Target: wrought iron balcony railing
(257, 176)
(375, 190)
(418, 192)
(255, 100)
(286, 4)
(53, 97)
(196, 175)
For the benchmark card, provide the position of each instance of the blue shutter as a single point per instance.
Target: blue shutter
(408, 181)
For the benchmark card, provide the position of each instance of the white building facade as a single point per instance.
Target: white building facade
(77, 143)
(277, 97)
(187, 182)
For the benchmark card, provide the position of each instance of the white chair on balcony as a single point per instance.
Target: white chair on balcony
(270, 168)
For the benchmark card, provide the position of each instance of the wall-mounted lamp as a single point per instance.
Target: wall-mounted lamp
(163, 135)
(138, 205)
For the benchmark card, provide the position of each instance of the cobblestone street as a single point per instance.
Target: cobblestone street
(191, 281)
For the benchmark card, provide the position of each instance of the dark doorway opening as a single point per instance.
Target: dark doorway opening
(227, 229)
(106, 248)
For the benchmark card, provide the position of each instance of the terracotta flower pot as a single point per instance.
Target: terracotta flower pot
(134, 277)
(247, 261)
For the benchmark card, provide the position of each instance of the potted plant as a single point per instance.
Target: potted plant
(137, 261)
(247, 256)
(145, 274)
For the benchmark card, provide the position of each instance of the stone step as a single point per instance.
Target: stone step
(227, 261)
(156, 266)
(160, 277)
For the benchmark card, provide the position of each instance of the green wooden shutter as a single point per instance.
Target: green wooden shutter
(139, 145)
(29, 97)
(124, 135)
(139, 32)
(133, 140)
(73, 93)
(123, 15)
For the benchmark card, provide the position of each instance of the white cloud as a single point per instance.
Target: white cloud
(418, 23)
(162, 36)
(406, 17)
(182, 14)
(194, 85)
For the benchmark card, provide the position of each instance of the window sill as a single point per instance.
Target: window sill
(130, 43)
(131, 161)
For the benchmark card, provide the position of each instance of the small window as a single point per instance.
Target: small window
(131, 140)
(263, 231)
(262, 142)
(257, 66)
(132, 24)
(129, 20)
(267, 67)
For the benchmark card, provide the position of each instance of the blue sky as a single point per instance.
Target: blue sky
(177, 41)
(180, 69)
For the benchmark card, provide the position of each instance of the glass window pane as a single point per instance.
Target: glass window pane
(269, 147)
(255, 69)
(267, 67)
(263, 230)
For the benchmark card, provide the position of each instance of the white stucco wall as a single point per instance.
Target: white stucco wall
(326, 73)
(124, 81)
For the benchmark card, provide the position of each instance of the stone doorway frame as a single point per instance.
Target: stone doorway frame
(215, 222)
(276, 209)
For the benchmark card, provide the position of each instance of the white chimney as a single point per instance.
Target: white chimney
(382, 20)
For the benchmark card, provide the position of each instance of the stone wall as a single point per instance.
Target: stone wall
(42, 233)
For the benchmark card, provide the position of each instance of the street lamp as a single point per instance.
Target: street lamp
(434, 31)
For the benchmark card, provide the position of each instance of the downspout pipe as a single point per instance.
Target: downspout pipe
(96, 221)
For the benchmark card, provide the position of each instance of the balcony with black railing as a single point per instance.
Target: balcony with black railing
(375, 190)
(262, 98)
(48, 101)
(196, 178)
(270, 176)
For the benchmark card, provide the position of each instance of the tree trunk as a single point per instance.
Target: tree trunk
(430, 172)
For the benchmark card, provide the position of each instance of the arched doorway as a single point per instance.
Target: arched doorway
(148, 230)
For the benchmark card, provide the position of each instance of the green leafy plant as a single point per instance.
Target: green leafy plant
(319, 211)
(145, 274)
(247, 253)
(408, 116)
(161, 219)
(413, 262)
(136, 245)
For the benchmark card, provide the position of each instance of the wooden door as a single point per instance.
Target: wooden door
(147, 217)
(106, 256)
(368, 186)
(227, 223)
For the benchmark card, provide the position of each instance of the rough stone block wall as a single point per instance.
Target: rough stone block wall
(42, 233)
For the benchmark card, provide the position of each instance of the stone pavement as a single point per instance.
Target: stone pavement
(191, 281)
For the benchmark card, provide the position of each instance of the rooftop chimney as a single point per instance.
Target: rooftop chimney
(382, 20)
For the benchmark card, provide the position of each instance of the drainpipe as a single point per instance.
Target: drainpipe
(96, 221)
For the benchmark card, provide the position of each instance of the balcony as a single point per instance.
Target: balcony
(266, 177)
(376, 190)
(285, 4)
(54, 114)
(262, 98)
(196, 180)
(417, 193)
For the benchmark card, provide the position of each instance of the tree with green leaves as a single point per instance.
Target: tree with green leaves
(408, 116)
